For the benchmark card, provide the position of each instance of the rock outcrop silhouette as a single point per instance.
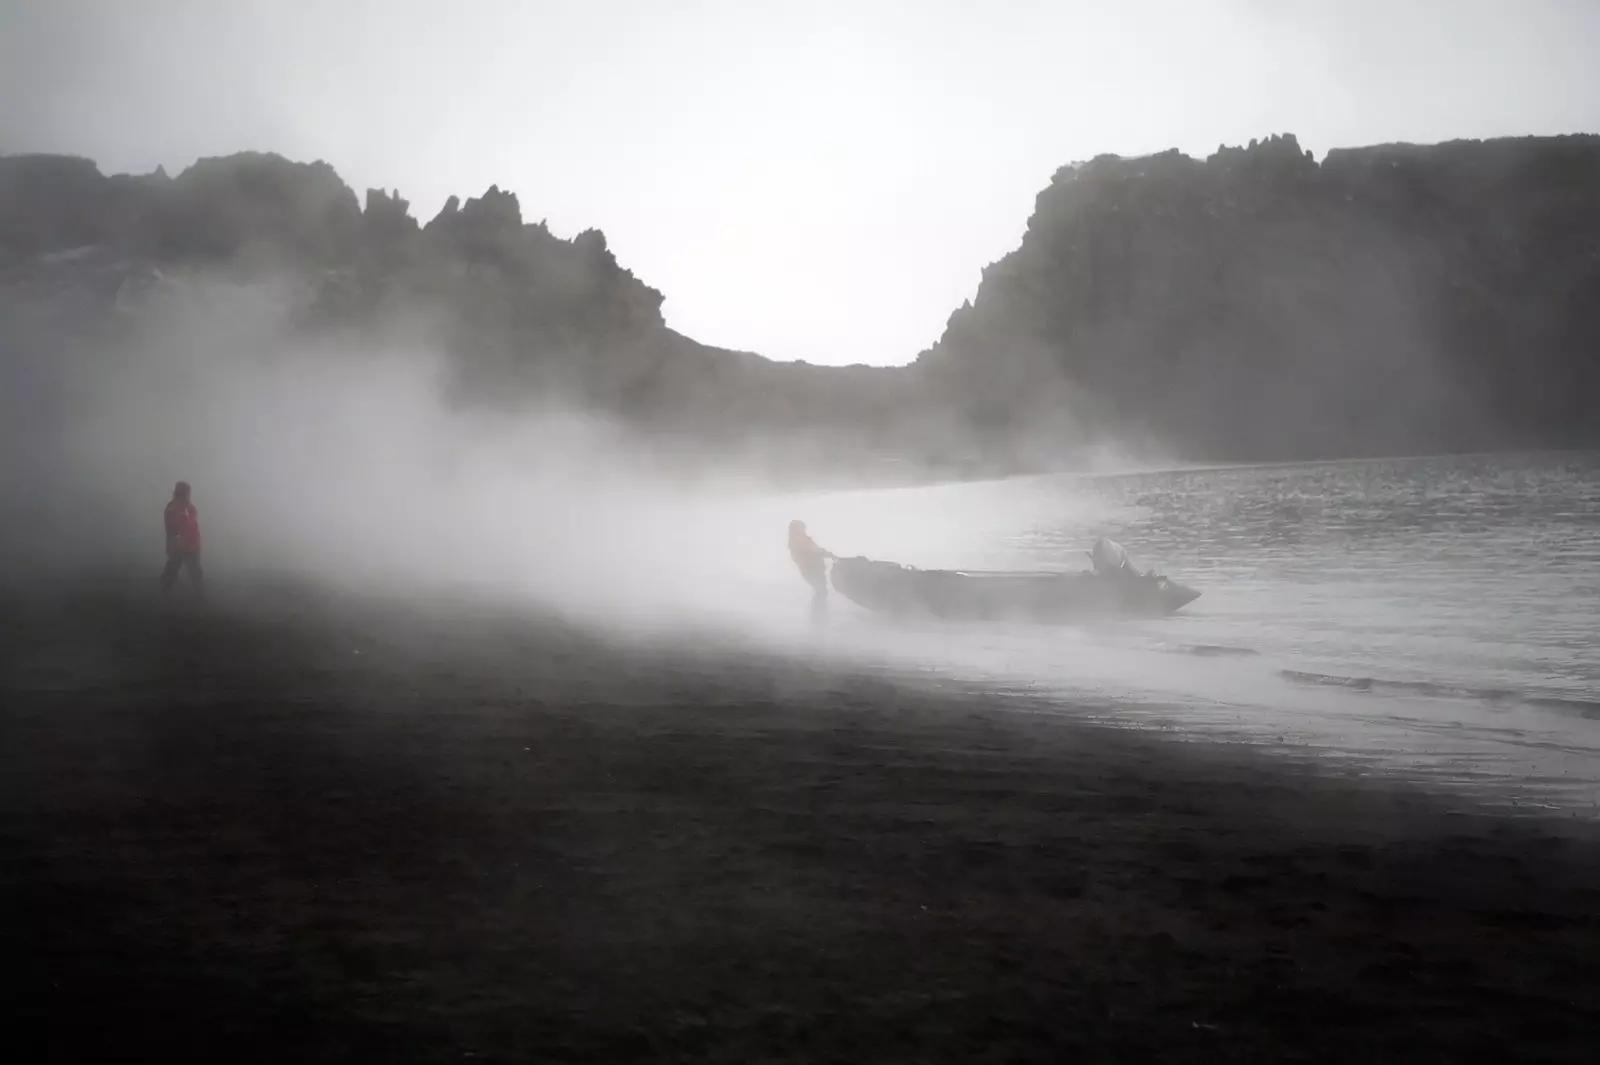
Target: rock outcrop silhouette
(1258, 305)
(523, 314)
(1253, 305)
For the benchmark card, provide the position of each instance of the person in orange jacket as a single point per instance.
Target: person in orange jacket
(183, 539)
(812, 562)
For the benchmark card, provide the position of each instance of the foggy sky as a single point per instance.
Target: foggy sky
(818, 180)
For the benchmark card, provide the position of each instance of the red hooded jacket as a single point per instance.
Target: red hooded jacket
(183, 526)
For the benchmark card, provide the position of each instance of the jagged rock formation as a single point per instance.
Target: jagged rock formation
(523, 314)
(1252, 305)
(1258, 305)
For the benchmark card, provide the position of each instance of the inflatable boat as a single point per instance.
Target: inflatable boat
(895, 589)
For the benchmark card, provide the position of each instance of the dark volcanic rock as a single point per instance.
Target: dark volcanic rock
(524, 315)
(1253, 305)
(52, 203)
(1256, 305)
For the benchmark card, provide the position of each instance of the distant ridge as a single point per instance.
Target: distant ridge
(1252, 306)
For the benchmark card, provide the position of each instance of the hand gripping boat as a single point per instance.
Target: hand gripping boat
(978, 595)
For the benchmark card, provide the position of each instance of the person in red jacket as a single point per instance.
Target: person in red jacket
(183, 539)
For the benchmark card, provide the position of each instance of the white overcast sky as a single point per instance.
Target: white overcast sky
(806, 179)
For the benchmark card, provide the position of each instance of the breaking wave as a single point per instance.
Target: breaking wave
(1497, 697)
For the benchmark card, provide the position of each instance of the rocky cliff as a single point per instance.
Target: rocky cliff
(1253, 305)
(1259, 305)
(523, 315)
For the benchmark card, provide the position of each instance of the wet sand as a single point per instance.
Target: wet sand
(328, 829)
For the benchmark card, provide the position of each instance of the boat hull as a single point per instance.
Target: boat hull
(893, 589)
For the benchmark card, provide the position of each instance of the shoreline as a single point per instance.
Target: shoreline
(333, 829)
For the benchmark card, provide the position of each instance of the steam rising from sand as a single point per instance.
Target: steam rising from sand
(344, 461)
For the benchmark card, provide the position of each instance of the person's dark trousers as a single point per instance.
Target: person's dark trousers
(818, 579)
(188, 561)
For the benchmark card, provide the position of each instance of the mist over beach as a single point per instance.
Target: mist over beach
(883, 532)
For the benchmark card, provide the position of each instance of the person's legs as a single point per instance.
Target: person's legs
(819, 596)
(170, 574)
(197, 576)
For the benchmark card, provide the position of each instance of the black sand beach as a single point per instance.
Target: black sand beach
(330, 829)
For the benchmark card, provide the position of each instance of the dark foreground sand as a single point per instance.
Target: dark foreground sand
(327, 831)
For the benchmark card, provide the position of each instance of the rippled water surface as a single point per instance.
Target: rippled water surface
(1434, 615)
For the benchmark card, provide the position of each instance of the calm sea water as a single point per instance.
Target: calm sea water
(1438, 617)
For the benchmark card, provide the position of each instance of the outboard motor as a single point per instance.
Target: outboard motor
(1110, 557)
